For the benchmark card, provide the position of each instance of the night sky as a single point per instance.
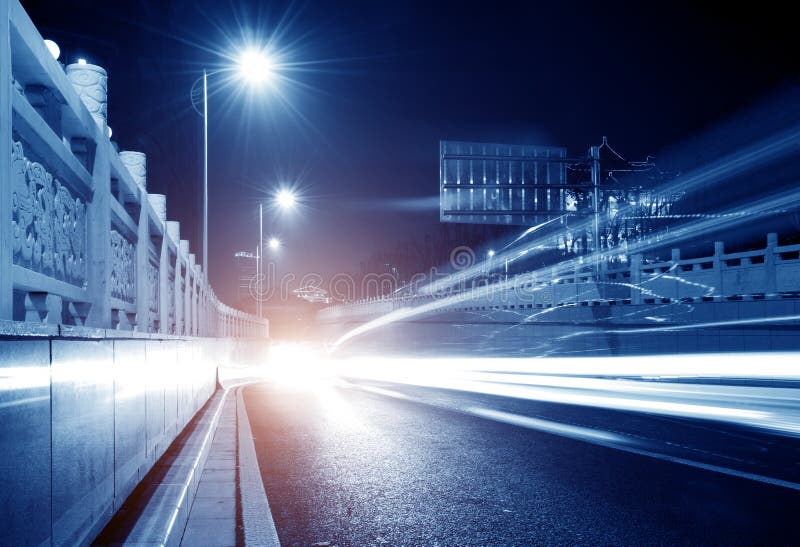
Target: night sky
(369, 88)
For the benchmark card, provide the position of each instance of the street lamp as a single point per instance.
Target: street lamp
(274, 243)
(254, 66)
(285, 199)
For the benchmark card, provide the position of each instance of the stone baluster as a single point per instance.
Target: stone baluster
(91, 83)
(192, 312)
(198, 287)
(187, 288)
(719, 274)
(142, 264)
(136, 164)
(636, 278)
(159, 204)
(174, 235)
(676, 272)
(769, 263)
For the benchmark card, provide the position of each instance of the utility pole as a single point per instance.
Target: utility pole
(594, 154)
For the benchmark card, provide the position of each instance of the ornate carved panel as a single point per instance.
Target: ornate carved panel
(123, 268)
(48, 222)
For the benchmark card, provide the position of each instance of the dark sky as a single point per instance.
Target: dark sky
(371, 87)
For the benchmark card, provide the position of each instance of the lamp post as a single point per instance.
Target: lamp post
(259, 254)
(205, 172)
(255, 67)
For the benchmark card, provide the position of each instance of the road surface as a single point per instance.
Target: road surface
(359, 464)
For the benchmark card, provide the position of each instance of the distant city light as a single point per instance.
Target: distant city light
(81, 61)
(285, 199)
(53, 48)
(274, 243)
(255, 66)
(491, 253)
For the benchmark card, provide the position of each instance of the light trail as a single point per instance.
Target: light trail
(570, 381)
(684, 388)
(755, 391)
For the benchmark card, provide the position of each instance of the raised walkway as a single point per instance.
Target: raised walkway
(206, 490)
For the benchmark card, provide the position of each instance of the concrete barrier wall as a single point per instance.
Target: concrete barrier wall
(84, 418)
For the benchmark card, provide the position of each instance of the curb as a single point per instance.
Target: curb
(259, 527)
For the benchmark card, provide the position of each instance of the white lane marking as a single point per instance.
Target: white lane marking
(565, 430)
(715, 468)
(387, 393)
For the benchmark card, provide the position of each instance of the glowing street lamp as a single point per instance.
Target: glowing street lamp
(274, 243)
(255, 66)
(285, 199)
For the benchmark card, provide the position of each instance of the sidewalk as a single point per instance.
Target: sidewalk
(212, 518)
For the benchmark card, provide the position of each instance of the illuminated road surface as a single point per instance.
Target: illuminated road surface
(372, 462)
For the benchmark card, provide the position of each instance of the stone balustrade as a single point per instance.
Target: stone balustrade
(83, 243)
(768, 274)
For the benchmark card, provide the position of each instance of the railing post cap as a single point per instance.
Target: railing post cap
(81, 67)
(159, 204)
(91, 84)
(136, 164)
(174, 231)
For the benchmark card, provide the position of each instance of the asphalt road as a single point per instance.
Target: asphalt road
(343, 466)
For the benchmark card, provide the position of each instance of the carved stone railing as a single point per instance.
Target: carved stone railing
(81, 240)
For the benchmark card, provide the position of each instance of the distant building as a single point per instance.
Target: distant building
(246, 269)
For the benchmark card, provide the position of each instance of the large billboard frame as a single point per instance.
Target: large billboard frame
(490, 183)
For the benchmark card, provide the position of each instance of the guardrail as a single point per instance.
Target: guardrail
(771, 273)
(82, 241)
